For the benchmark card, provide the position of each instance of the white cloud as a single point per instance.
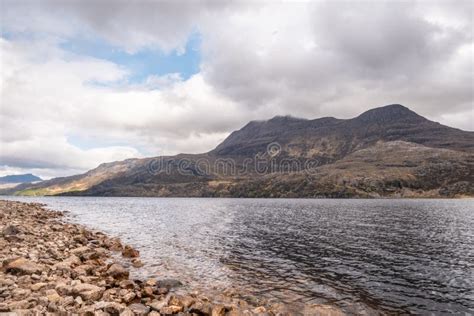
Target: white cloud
(261, 59)
(48, 95)
(463, 119)
(165, 81)
(56, 152)
(340, 58)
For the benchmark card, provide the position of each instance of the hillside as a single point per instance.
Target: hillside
(386, 151)
(19, 178)
(10, 182)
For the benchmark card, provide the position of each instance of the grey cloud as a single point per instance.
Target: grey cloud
(378, 36)
(388, 47)
(380, 49)
(259, 59)
(132, 25)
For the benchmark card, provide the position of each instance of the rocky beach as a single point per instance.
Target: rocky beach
(50, 266)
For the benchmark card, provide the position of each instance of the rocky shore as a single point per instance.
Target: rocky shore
(50, 266)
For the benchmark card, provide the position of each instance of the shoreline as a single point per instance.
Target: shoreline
(388, 197)
(52, 266)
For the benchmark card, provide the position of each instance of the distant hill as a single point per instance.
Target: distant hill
(20, 178)
(388, 151)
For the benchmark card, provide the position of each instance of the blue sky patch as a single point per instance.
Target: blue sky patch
(143, 63)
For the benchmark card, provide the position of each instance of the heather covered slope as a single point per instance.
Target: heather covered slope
(386, 151)
(387, 169)
(77, 182)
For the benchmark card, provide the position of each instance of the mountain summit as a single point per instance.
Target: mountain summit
(334, 138)
(386, 151)
(390, 113)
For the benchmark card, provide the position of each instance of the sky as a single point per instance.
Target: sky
(87, 82)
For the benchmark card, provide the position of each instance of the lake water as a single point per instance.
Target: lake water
(389, 256)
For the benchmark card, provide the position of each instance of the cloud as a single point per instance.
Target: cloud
(307, 59)
(57, 153)
(340, 58)
(463, 119)
(132, 25)
(68, 112)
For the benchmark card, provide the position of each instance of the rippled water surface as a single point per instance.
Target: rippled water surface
(385, 255)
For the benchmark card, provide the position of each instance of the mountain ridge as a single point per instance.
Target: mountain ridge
(325, 142)
(387, 122)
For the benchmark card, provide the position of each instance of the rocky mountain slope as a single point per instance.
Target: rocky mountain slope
(386, 151)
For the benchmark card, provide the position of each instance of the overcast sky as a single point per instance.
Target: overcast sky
(86, 82)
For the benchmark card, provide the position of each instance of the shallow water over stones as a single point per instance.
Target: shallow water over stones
(386, 255)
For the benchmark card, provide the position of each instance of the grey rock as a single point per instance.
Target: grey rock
(117, 271)
(139, 309)
(10, 230)
(169, 283)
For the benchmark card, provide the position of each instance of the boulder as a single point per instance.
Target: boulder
(84, 269)
(169, 283)
(72, 260)
(151, 282)
(129, 252)
(110, 294)
(23, 304)
(139, 309)
(128, 312)
(113, 244)
(4, 308)
(259, 310)
(78, 300)
(147, 291)
(218, 310)
(53, 296)
(68, 300)
(80, 251)
(117, 272)
(88, 291)
(161, 290)
(38, 286)
(201, 308)
(63, 288)
(158, 305)
(94, 254)
(22, 266)
(112, 308)
(127, 284)
(10, 230)
(20, 293)
(179, 300)
(128, 297)
(170, 310)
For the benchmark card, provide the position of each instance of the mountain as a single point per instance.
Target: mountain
(335, 138)
(19, 178)
(387, 151)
